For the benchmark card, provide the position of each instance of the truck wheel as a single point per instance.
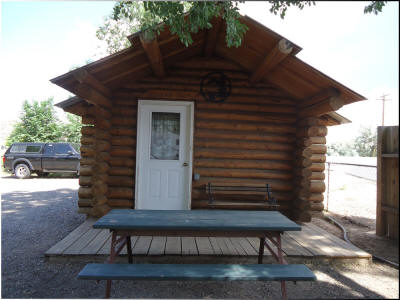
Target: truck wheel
(22, 171)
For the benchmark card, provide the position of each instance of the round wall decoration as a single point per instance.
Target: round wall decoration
(215, 87)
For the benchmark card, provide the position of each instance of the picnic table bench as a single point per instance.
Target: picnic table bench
(218, 223)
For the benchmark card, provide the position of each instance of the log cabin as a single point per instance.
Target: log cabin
(162, 120)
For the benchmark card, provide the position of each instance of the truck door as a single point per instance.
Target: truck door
(48, 158)
(67, 157)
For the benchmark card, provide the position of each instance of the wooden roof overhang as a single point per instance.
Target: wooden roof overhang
(264, 55)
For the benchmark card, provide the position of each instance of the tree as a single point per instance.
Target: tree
(38, 123)
(184, 18)
(365, 143)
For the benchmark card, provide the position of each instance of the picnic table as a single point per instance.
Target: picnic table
(124, 223)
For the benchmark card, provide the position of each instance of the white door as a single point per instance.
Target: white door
(164, 154)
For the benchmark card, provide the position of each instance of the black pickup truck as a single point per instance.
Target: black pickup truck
(23, 159)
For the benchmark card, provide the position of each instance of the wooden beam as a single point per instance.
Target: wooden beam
(329, 105)
(154, 56)
(83, 76)
(212, 37)
(92, 96)
(323, 95)
(273, 58)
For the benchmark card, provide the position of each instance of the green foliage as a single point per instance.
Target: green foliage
(364, 144)
(374, 7)
(185, 18)
(39, 123)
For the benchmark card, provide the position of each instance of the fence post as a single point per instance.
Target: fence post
(327, 193)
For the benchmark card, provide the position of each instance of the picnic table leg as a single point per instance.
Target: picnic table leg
(110, 261)
(261, 250)
(129, 249)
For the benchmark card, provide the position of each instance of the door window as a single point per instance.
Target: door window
(62, 148)
(165, 130)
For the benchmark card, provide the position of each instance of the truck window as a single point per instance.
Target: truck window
(62, 148)
(18, 149)
(49, 149)
(33, 149)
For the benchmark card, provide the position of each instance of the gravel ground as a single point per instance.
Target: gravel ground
(37, 213)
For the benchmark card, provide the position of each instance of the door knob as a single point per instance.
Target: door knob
(185, 164)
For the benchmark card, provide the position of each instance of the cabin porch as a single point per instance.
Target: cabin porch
(312, 244)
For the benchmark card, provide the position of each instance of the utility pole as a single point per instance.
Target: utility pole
(383, 99)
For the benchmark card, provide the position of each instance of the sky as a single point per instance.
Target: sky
(41, 40)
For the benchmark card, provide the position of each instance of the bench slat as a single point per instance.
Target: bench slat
(261, 272)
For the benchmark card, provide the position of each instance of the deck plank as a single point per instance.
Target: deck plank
(355, 251)
(71, 238)
(189, 246)
(81, 243)
(247, 247)
(227, 247)
(216, 246)
(95, 245)
(142, 245)
(157, 246)
(173, 246)
(293, 248)
(238, 247)
(204, 246)
(255, 243)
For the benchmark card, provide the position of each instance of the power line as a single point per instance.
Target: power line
(383, 99)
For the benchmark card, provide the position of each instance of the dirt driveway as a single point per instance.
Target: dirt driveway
(37, 213)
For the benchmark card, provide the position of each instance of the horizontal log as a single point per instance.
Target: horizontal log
(99, 188)
(85, 202)
(240, 154)
(102, 134)
(100, 199)
(319, 206)
(88, 120)
(302, 192)
(318, 176)
(100, 167)
(318, 139)
(125, 102)
(247, 145)
(103, 156)
(302, 172)
(120, 192)
(303, 142)
(318, 158)
(323, 107)
(243, 173)
(301, 216)
(87, 140)
(84, 210)
(100, 112)
(318, 149)
(123, 141)
(85, 170)
(88, 150)
(306, 122)
(102, 123)
(243, 135)
(102, 145)
(204, 204)
(302, 204)
(85, 192)
(201, 194)
(316, 197)
(117, 151)
(121, 203)
(100, 210)
(123, 131)
(302, 162)
(303, 182)
(317, 186)
(320, 96)
(256, 127)
(317, 167)
(83, 76)
(87, 161)
(276, 185)
(243, 164)
(249, 117)
(312, 131)
(303, 153)
(122, 162)
(124, 112)
(121, 181)
(123, 121)
(249, 107)
(121, 171)
(88, 130)
(85, 180)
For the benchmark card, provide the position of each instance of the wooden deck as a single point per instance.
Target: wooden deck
(312, 243)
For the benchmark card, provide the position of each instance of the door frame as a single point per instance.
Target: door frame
(190, 106)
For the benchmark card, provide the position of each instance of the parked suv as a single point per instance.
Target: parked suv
(23, 159)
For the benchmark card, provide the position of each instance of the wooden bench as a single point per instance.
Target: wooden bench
(193, 272)
(241, 197)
